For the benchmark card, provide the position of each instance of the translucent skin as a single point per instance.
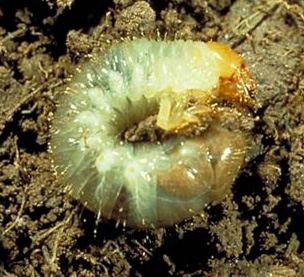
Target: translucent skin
(152, 184)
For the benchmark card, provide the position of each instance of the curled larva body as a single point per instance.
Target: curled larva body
(151, 183)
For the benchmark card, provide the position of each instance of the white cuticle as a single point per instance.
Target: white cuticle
(123, 87)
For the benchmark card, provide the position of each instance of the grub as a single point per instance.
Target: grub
(255, 231)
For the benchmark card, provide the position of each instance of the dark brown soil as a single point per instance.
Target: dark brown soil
(257, 230)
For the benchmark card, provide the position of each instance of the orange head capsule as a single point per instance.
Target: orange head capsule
(236, 83)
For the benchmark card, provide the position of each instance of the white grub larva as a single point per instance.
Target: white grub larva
(188, 87)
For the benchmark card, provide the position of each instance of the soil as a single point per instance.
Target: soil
(256, 230)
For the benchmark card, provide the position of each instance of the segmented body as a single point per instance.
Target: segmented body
(148, 184)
